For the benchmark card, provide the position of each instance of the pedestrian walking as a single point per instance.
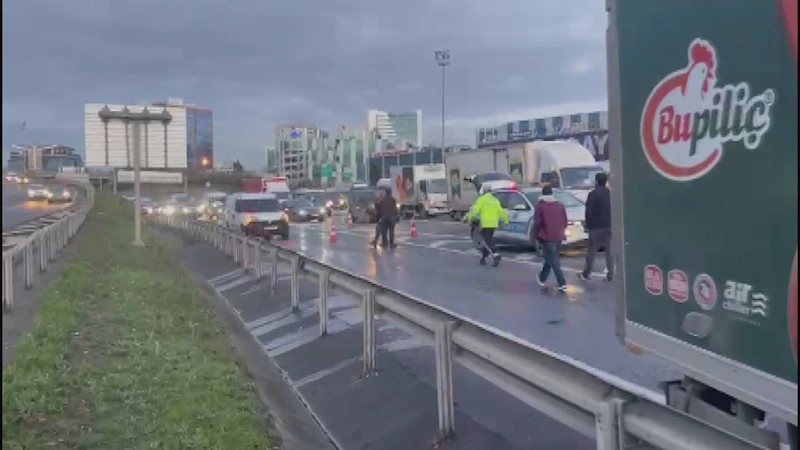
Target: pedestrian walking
(387, 211)
(598, 225)
(489, 211)
(549, 227)
(378, 229)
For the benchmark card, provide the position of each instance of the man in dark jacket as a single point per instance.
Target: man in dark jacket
(549, 227)
(387, 211)
(378, 225)
(598, 225)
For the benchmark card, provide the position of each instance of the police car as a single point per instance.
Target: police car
(519, 206)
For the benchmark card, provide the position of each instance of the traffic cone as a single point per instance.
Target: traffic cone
(413, 232)
(332, 238)
(349, 221)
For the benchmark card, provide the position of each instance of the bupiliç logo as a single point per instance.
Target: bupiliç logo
(687, 119)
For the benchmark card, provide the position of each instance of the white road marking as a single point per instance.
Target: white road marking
(325, 372)
(235, 283)
(227, 276)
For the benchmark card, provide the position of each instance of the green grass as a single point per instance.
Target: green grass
(125, 354)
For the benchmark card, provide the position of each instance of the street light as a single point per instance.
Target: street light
(442, 59)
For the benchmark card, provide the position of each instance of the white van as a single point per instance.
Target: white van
(257, 214)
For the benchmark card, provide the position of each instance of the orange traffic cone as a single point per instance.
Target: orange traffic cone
(332, 238)
(413, 232)
(349, 221)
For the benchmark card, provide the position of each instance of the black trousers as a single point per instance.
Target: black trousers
(488, 242)
(387, 231)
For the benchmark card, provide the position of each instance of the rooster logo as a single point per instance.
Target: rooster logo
(687, 118)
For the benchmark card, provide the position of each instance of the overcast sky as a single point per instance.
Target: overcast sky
(324, 62)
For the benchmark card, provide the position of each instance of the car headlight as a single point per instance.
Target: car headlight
(169, 210)
(329, 203)
(341, 201)
(322, 210)
(186, 210)
(30, 193)
(66, 194)
(48, 194)
(201, 208)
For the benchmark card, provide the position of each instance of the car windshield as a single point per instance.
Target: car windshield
(36, 186)
(565, 198)
(314, 199)
(302, 203)
(282, 195)
(257, 205)
(437, 186)
(579, 177)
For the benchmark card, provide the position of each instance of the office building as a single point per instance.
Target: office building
(50, 158)
(299, 148)
(271, 159)
(199, 138)
(590, 129)
(398, 131)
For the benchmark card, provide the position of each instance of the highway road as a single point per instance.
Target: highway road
(17, 209)
(440, 266)
(396, 410)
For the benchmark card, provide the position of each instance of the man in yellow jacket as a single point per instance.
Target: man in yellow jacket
(490, 212)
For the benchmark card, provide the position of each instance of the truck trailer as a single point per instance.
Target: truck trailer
(708, 257)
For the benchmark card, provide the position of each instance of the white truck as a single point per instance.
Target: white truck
(563, 164)
(420, 190)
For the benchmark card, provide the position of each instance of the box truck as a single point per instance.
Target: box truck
(420, 190)
(704, 204)
(563, 164)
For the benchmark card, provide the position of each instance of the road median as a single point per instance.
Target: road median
(126, 354)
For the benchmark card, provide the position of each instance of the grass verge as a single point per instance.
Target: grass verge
(125, 354)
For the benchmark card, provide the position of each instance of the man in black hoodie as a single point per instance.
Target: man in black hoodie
(387, 212)
(598, 224)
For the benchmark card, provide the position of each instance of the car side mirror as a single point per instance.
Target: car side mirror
(520, 207)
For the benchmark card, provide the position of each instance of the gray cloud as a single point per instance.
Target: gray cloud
(258, 64)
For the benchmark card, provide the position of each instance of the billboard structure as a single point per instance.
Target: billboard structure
(112, 132)
(589, 129)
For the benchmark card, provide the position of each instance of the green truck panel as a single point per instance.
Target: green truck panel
(707, 128)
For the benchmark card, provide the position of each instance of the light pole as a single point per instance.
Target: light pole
(442, 59)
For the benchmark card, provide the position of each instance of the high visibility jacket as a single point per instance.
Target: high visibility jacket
(488, 209)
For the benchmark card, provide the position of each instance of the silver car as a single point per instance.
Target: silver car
(38, 192)
(519, 206)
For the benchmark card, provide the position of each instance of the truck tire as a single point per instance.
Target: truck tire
(456, 215)
(422, 212)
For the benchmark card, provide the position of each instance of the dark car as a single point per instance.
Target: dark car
(302, 210)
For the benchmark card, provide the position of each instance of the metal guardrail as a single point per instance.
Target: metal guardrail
(617, 419)
(39, 248)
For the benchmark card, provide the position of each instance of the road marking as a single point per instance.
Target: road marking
(437, 244)
(325, 372)
(235, 283)
(226, 277)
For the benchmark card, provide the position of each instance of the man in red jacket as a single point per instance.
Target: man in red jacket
(549, 227)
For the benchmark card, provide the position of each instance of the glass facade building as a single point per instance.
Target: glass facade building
(398, 131)
(199, 138)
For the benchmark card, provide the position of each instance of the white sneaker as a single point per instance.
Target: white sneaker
(562, 288)
(541, 283)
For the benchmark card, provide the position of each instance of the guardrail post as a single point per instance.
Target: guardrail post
(274, 270)
(368, 309)
(257, 260)
(444, 378)
(8, 283)
(41, 244)
(27, 261)
(324, 287)
(236, 247)
(295, 280)
(607, 424)
(51, 244)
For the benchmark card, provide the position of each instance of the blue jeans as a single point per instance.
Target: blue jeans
(552, 260)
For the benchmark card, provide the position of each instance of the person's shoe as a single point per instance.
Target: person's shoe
(392, 245)
(373, 244)
(609, 278)
(496, 257)
(539, 280)
(482, 261)
(562, 288)
(583, 277)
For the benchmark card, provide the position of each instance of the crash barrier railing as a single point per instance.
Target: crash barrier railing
(37, 250)
(617, 419)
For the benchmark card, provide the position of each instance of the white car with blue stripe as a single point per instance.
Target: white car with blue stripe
(519, 205)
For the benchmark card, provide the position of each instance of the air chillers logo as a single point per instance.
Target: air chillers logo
(687, 119)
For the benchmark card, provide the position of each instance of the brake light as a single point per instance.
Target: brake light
(514, 186)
